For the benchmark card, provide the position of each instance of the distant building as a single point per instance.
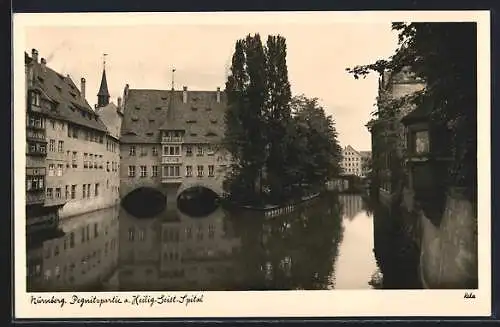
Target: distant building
(68, 139)
(351, 161)
(171, 140)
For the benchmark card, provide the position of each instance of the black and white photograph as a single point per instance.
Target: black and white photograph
(252, 158)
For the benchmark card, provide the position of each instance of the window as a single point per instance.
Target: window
(131, 150)
(211, 231)
(73, 191)
(210, 170)
(49, 193)
(96, 230)
(53, 124)
(189, 151)
(171, 171)
(144, 172)
(142, 235)
(144, 151)
(174, 150)
(107, 166)
(84, 191)
(52, 145)
(200, 150)
(60, 146)
(96, 189)
(421, 142)
(51, 169)
(155, 151)
(35, 99)
(74, 163)
(131, 171)
(60, 168)
(200, 171)
(66, 193)
(75, 132)
(131, 234)
(72, 240)
(58, 193)
(189, 171)
(154, 171)
(34, 183)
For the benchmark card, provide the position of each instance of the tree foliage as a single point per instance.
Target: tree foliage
(277, 143)
(444, 56)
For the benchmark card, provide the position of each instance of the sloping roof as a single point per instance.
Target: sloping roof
(112, 118)
(68, 102)
(350, 148)
(147, 112)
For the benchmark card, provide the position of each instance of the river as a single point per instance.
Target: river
(327, 244)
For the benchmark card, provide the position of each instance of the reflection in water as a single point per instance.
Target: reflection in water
(356, 264)
(83, 254)
(326, 244)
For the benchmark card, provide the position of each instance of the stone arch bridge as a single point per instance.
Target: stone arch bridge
(172, 188)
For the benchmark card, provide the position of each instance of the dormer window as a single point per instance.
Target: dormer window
(35, 99)
(58, 87)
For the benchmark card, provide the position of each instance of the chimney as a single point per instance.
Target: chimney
(82, 87)
(43, 62)
(34, 55)
(184, 94)
(218, 95)
(119, 102)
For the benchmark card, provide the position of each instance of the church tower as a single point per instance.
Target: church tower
(103, 95)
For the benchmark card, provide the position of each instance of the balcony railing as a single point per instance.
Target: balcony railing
(37, 135)
(172, 139)
(171, 179)
(170, 159)
(37, 152)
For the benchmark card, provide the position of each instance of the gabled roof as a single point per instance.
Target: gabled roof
(350, 148)
(147, 112)
(68, 103)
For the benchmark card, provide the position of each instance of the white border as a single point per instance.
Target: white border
(267, 304)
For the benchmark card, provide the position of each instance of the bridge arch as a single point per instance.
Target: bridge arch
(214, 185)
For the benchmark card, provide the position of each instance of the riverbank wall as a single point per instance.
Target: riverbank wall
(448, 249)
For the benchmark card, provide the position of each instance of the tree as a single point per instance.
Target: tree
(315, 152)
(244, 119)
(278, 116)
(444, 55)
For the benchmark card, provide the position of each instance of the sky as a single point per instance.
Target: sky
(143, 57)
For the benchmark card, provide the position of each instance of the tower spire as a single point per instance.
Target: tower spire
(103, 94)
(173, 78)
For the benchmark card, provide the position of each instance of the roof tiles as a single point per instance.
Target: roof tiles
(147, 112)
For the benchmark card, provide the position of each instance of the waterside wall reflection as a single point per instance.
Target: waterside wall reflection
(332, 242)
(79, 257)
